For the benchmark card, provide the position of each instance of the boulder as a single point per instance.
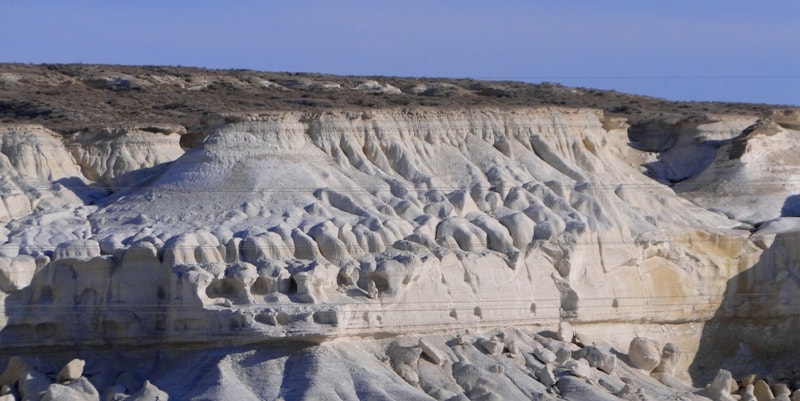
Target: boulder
(562, 350)
(467, 375)
(762, 391)
(644, 353)
(71, 371)
(492, 346)
(512, 347)
(407, 355)
(433, 353)
(543, 354)
(565, 331)
(404, 360)
(32, 385)
(602, 360)
(14, 369)
(580, 368)
(782, 392)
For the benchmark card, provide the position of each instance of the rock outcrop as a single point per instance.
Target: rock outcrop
(539, 230)
(258, 226)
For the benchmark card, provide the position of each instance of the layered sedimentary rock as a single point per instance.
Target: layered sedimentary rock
(470, 215)
(733, 164)
(348, 223)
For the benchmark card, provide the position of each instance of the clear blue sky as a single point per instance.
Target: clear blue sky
(683, 49)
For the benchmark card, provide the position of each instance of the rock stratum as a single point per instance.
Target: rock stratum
(406, 239)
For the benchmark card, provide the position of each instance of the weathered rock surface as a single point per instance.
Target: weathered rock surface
(281, 233)
(72, 370)
(720, 388)
(762, 391)
(345, 223)
(644, 353)
(433, 353)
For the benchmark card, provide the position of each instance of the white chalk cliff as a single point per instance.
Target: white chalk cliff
(357, 228)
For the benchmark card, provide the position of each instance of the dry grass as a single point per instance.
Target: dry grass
(71, 97)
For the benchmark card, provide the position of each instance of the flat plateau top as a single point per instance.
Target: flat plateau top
(70, 97)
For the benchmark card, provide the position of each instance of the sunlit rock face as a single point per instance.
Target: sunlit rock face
(344, 223)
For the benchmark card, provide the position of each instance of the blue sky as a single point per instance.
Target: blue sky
(684, 50)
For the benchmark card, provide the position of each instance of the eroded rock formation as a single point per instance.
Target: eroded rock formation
(315, 224)
(346, 223)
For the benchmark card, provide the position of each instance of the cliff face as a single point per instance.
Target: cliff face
(391, 208)
(350, 223)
